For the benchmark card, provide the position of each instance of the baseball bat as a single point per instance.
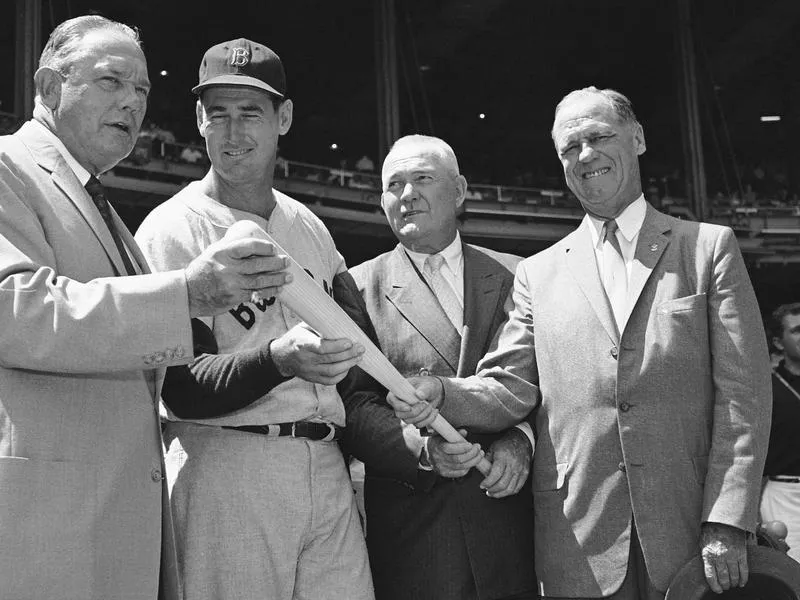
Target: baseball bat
(313, 305)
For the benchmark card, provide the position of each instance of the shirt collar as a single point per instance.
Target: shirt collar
(81, 173)
(629, 221)
(452, 254)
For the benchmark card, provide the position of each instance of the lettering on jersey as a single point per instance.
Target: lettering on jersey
(246, 316)
(263, 304)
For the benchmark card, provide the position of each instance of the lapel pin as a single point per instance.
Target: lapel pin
(653, 247)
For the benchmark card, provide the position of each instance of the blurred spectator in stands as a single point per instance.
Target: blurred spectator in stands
(473, 194)
(339, 175)
(148, 131)
(191, 155)
(281, 167)
(365, 164)
(749, 195)
(758, 179)
(652, 193)
(780, 498)
(164, 135)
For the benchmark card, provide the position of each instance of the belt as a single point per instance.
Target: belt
(321, 432)
(785, 478)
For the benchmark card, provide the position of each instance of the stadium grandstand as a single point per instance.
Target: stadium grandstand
(510, 206)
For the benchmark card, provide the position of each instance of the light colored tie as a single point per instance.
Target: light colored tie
(615, 276)
(432, 270)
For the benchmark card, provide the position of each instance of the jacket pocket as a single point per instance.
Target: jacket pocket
(685, 304)
(550, 477)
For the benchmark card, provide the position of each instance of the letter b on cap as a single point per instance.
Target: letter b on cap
(239, 57)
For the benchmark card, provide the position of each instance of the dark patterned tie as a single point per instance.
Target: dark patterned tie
(96, 191)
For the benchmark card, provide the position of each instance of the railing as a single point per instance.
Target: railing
(180, 163)
(164, 154)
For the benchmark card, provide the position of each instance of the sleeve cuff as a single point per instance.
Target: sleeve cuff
(526, 428)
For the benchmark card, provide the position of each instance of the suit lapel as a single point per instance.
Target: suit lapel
(482, 288)
(49, 158)
(130, 243)
(416, 302)
(649, 249)
(582, 263)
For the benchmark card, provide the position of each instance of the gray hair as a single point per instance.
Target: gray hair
(619, 103)
(438, 147)
(63, 45)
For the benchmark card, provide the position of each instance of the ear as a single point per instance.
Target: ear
(201, 125)
(638, 140)
(285, 116)
(778, 343)
(48, 86)
(461, 185)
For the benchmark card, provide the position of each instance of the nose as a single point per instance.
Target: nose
(409, 193)
(133, 100)
(235, 128)
(587, 152)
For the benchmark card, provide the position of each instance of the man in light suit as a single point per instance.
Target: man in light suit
(644, 356)
(82, 349)
(459, 536)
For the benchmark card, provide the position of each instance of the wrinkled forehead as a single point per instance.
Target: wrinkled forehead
(115, 51)
(583, 115)
(408, 158)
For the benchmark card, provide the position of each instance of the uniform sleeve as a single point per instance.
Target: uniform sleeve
(213, 384)
(56, 323)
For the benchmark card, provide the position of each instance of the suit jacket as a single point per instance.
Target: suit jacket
(667, 423)
(81, 472)
(430, 537)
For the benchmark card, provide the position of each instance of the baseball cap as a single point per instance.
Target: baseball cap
(242, 63)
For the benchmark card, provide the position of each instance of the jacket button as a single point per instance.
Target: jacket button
(156, 475)
(624, 406)
(614, 352)
(621, 467)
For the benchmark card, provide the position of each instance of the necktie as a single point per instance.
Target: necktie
(96, 191)
(432, 270)
(615, 276)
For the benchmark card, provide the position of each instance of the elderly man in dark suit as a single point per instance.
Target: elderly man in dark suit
(638, 340)
(451, 535)
(87, 331)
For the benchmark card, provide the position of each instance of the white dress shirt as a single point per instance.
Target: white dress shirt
(452, 269)
(629, 223)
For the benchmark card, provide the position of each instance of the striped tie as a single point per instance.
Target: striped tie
(96, 191)
(432, 270)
